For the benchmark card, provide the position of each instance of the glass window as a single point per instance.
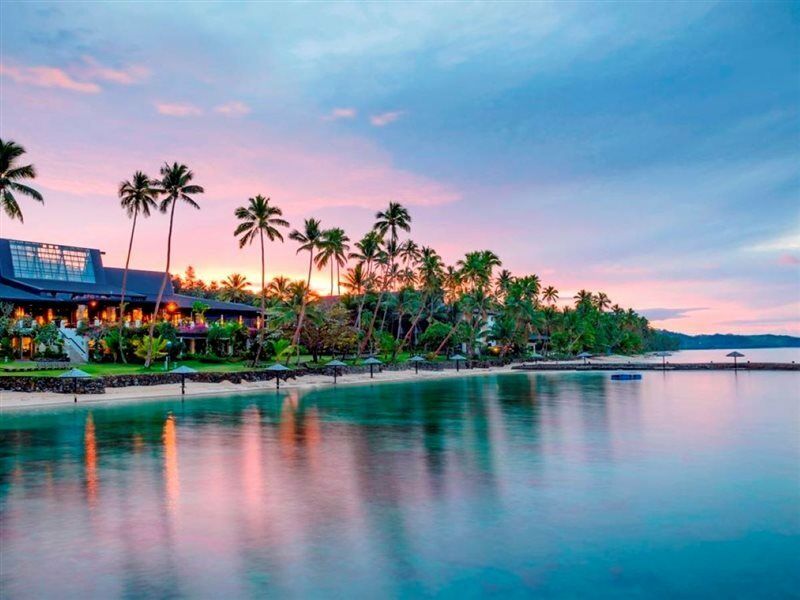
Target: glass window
(49, 261)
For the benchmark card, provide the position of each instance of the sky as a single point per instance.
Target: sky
(647, 150)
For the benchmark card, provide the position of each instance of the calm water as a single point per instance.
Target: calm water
(775, 355)
(558, 485)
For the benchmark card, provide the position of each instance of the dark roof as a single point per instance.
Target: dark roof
(140, 285)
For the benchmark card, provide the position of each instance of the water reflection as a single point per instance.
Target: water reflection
(456, 486)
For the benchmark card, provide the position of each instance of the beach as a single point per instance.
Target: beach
(26, 400)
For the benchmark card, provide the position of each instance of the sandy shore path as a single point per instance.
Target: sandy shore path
(25, 400)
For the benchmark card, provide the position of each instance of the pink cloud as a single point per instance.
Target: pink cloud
(125, 76)
(340, 113)
(48, 77)
(178, 109)
(789, 259)
(233, 109)
(383, 119)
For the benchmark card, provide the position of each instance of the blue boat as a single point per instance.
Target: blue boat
(626, 376)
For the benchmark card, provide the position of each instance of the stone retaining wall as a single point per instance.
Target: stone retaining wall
(59, 385)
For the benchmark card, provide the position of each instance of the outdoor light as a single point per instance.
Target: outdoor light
(171, 307)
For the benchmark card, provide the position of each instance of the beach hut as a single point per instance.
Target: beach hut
(279, 370)
(336, 364)
(74, 374)
(372, 361)
(663, 356)
(458, 358)
(584, 356)
(183, 371)
(735, 356)
(416, 360)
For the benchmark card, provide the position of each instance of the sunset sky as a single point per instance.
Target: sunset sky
(648, 150)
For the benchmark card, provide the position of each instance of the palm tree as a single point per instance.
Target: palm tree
(11, 174)
(279, 288)
(234, 288)
(393, 218)
(583, 298)
(136, 196)
(550, 294)
(309, 239)
(431, 274)
(333, 249)
(176, 184)
(258, 219)
(602, 301)
(355, 279)
(369, 250)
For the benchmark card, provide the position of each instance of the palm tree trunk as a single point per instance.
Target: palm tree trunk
(301, 318)
(417, 317)
(162, 288)
(363, 297)
(124, 284)
(338, 280)
(331, 278)
(263, 303)
(375, 314)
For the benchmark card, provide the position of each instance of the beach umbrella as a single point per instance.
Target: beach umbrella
(74, 374)
(458, 358)
(335, 364)
(584, 356)
(372, 361)
(663, 356)
(416, 360)
(278, 369)
(183, 371)
(735, 356)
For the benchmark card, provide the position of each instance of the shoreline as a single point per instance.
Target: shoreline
(20, 401)
(17, 401)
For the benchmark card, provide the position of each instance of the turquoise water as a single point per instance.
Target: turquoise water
(554, 485)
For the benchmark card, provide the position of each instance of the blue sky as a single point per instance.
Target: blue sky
(649, 150)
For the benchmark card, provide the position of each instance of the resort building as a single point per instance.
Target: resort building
(70, 286)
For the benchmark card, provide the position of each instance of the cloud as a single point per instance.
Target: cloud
(789, 259)
(233, 109)
(48, 77)
(382, 119)
(340, 113)
(124, 76)
(790, 241)
(178, 109)
(665, 314)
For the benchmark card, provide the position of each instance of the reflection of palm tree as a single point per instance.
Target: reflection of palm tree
(309, 239)
(259, 218)
(136, 196)
(176, 184)
(234, 288)
(11, 176)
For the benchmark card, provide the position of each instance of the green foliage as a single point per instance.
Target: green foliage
(158, 346)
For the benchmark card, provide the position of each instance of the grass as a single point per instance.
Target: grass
(101, 369)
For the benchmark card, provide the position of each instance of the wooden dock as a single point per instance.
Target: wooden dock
(625, 366)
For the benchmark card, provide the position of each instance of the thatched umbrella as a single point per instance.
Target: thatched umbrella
(584, 356)
(278, 369)
(416, 360)
(735, 356)
(458, 358)
(74, 374)
(372, 361)
(335, 364)
(663, 356)
(183, 371)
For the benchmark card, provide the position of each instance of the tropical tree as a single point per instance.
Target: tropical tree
(175, 185)
(355, 281)
(137, 196)
(550, 295)
(12, 175)
(234, 288)
(259, 219)
(369, 252)
(278, 288)
(601, 301)
(333, 249)
(309, 239)
(583, 298)
(393, 218)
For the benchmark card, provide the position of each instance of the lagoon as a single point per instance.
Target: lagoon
(553, 484)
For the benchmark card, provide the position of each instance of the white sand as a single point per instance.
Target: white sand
(23, 400)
